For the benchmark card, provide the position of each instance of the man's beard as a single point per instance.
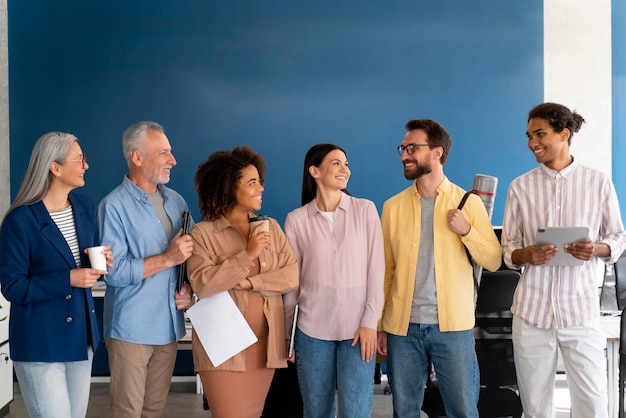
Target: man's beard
(418, 172)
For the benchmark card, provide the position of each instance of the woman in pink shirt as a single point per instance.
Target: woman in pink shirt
(337, 240)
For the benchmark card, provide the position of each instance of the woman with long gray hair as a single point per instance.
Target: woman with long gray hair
(45, 274)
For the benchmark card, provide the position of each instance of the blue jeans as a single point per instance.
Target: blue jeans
(55, 390)
(454, 358)
(323, 364)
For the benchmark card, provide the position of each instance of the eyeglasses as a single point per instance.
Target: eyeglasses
(82, 159)
(410, 148)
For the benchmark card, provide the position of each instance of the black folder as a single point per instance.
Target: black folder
(182, 273)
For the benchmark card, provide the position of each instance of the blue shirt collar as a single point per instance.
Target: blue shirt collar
(139, 193)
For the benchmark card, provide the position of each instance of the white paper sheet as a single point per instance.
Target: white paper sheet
(220, 326)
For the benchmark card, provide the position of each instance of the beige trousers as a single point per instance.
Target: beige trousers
(140, 378)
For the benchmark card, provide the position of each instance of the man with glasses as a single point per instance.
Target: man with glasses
(143, 318)
(429, 286)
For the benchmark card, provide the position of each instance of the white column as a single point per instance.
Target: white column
(6, 368)
(5, 183)
(577, 72)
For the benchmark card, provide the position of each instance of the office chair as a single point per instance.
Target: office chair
(620, 281)
(622, 363)
(494, 345)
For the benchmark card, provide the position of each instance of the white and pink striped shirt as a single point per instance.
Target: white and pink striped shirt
(575, 196)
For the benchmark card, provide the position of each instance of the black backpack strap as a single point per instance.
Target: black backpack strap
(465, 196)
(469, 257)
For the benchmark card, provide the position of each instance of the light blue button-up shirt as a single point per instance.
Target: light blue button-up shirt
(135, 310)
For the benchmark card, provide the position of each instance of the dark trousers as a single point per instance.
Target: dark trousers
(284, 399)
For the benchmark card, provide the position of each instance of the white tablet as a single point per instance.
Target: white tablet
(294, 325)
(559, 236)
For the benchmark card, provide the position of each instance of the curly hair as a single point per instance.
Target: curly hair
(559, 117)
(217, 179)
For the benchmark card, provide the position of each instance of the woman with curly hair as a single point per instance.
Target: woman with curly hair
(255, 266)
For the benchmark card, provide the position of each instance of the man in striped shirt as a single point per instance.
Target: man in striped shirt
(557, 306)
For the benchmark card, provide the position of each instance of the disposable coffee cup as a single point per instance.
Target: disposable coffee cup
(261, 220)
(96, 258)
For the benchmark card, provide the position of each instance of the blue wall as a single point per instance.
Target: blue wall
(279, 76)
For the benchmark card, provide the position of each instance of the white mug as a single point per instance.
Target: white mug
(97, 259)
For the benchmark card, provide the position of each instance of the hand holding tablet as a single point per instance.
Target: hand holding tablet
(559, 236)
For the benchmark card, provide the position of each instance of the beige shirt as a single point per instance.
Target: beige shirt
(219, 261)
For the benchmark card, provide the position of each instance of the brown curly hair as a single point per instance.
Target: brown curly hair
(217, 179)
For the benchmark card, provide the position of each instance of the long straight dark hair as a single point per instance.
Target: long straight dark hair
(314, 156)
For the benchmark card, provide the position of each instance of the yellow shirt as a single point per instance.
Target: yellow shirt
(453, 272)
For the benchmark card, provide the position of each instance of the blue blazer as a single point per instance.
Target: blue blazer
(50, 321)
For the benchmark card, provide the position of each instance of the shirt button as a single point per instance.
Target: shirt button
(93, 311)
(68, 319)
(68, 297)
(263, 264)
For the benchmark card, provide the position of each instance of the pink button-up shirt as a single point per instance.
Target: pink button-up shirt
(341, 269)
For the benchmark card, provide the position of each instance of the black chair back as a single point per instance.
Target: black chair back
(495, 297)
(496, 291)
(620, 281)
